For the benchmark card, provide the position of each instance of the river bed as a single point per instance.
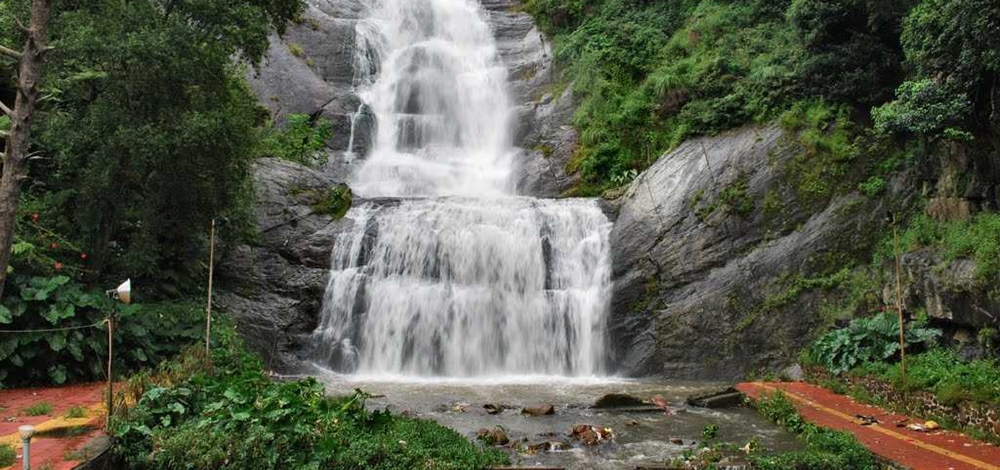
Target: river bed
(640, 437)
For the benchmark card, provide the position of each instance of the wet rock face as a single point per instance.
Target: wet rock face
(704, 242)
(273, 289)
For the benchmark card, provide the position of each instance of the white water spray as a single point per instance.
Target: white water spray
(460, 277)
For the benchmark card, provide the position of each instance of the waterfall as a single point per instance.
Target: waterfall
(447, 272)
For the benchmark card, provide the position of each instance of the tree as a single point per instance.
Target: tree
(17, 149)
(150, 129)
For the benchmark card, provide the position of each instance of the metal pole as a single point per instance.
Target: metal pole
(111, 391)
(26, 432)
(899, 304)
(211, 271)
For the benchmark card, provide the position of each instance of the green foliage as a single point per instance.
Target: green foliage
(926, 107)
(865, 340)
(945, 373)
(7, 455)
(76, 412)
(300, 140)
(150, 130)
(977, 239)
(825, 449)
(146, 333)
(335, 202)
(710, 431)
(827, 136)
(39, 409)
(228, 413)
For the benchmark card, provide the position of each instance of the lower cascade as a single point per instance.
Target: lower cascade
(447, 272)
(468, 287)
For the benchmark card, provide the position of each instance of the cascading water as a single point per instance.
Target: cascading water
(447, 272)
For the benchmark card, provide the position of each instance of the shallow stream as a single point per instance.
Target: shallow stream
(640, 437)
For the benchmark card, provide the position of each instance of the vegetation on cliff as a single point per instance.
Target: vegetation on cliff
(650, 74)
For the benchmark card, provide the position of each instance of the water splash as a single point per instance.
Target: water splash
(454, 275)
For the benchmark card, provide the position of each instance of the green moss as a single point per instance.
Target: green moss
(826, 139)
(733, 199)
(335, 202)
(977, 239)
(296, 49)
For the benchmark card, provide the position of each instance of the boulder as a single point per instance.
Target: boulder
(493, 437)
(539, 410)
(619, 400)
(723, 398)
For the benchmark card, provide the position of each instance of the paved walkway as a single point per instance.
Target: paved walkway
(58, 438)
(889, 438)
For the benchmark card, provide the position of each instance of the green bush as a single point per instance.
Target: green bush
(39, 409)
(865, 340)
(7, 455)
(227, 413)
(145, 333)
(300, 140)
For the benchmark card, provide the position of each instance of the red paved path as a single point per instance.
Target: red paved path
(936, 450)
(48, 449)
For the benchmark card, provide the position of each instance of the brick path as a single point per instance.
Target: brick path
(54, 449)
(936, 450)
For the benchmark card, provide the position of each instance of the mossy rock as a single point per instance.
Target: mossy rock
(335, 202)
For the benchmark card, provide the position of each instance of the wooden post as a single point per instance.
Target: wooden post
(111, 391)
(899, 304)
(211, 272)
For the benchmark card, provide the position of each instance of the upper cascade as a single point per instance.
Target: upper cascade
(430, 72)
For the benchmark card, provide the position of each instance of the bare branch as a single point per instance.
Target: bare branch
(21, 25)
(5, 109)
(10, 52)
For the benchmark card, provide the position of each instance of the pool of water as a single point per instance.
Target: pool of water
(640, 437)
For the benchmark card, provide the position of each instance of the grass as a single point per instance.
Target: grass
(76, 412)
(38, 409)
(7, 455)
(944, 373)
(977, 239)
(826, 449)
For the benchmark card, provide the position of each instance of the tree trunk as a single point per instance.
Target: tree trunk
(15, 156)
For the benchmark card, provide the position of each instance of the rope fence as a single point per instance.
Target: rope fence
(51, 330)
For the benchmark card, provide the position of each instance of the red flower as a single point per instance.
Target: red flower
(34, 217)
(54, 246)
(83, 256)
(58, 266)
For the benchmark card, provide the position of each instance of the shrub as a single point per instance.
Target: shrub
(865, 340)
(945, 373)
(146, 333)
(76, 412)
(300, 140)
(38, 409)
(924, 107)
(227, 412)
(7, 455)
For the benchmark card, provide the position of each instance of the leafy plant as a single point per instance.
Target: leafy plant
(39, 409)
(7, 455)
(146, 333)
(202, 412)
(299, 140)
(709, 431)
(76, 412)
(865, 340)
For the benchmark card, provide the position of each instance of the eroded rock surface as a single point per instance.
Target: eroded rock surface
(708, 243)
